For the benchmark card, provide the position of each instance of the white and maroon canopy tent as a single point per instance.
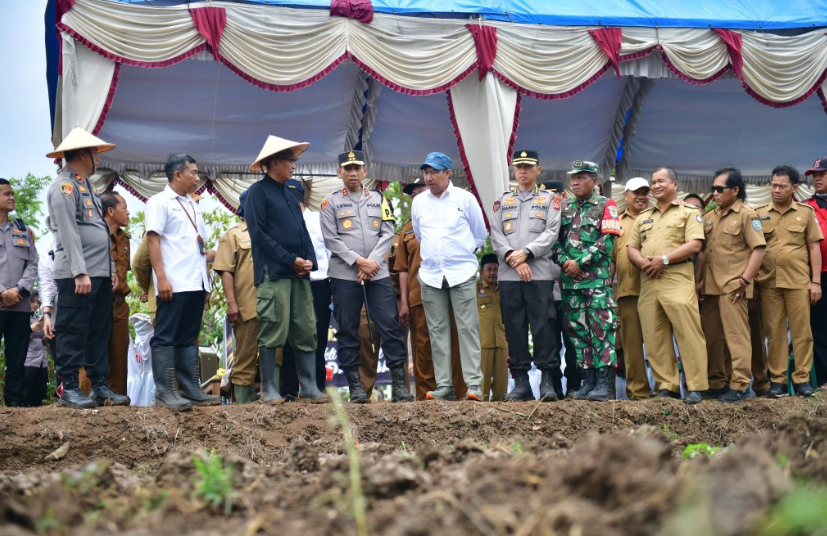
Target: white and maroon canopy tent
(628, 84)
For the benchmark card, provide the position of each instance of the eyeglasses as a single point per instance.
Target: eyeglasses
(720, 189)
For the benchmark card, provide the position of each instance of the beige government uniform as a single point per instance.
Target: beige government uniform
(669, 304)
(731, 236)
(494, 360)
(235, 255)
(626, 295)
(784, 282)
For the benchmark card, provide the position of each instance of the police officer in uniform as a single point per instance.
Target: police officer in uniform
(524, 227)
(663, 240)
(588, 230)
(357, 225)
(732, 255)
(18, 257)
(791, 263)
(493, 345)
(84, 273)
(234, 262)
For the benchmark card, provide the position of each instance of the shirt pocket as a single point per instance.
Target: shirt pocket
(537, 221)
(796, 228)
(675, 230)
(645, 231)
(346, 220)
(510, 222)
(20, 240)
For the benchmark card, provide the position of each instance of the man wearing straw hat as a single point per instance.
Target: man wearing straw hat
(283, 257)
(83, 272)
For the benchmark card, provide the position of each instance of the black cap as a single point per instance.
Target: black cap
(525, 157)
(409, 188)
(819, 165)
(553, 186)
(488, 257)
(352, 158)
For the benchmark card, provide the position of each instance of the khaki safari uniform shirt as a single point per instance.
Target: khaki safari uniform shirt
(120, 254)
(526, 219)
(408, 260)
(354, 228)
(235, 256)
(627, 275)
(657, 233)
(492, 330)
(731, 236)
(787, 260)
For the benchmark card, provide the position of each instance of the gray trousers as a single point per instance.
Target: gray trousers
(438, 303)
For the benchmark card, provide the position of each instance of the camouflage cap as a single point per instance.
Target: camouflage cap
(582, 166)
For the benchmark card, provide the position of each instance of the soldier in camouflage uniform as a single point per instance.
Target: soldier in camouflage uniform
(588, 230)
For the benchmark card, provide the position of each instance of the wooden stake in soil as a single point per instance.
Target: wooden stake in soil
(354, 463)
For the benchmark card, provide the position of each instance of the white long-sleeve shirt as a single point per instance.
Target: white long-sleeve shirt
(45, 281)
(449, 228)
(314, 229)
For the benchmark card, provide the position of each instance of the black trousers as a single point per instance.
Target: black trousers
(37, 380)
(321, 305)
(818, 323)
(177, 322)
(15, 331)
(347, 307)
(524, 305)
(82, 329)
(562, 338)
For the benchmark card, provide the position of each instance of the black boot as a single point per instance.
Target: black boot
(588, 381)
(163, 372)
(604, 390)
(270, 375)
(189, 382)
(547, 391)
(557, 381)
(399, 389)
(574, 379)
(357, 391)
(522, 388)
(306, 371)
(102, 395)
(72, 396)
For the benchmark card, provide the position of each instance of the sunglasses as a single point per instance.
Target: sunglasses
(720, 189)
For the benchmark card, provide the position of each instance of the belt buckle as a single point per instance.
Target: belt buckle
(118, 299)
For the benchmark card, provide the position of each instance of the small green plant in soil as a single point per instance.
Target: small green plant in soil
(696, 450)
(215, 483)
(802, 510)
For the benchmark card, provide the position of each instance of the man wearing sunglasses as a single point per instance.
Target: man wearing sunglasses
(732, 255)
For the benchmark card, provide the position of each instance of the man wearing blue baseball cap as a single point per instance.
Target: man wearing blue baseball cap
(450, 227)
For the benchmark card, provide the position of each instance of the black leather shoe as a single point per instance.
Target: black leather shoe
(104, 396)
(733, 395)
(693, 397)
(666, 393)
(714, 394)
(803, 389)
(778, 390)
(75, 399)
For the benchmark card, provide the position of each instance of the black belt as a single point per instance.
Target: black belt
(118, 299)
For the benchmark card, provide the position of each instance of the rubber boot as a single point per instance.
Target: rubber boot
(399, 388)
(163, 372)
(588, 381)
(102, 395)
(189, 382)
(357, 391)
(306, 371)
(72, 396)
(244, 394)
(522, 388)
(604, 390)
(270, 375)
(547, 391)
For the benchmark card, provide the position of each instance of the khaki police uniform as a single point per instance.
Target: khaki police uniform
(357, 225)
(626, 294)
(82, 247)
(408, 260)
(18, 259)
(731, 236)
(235, 256)
(669, 305)
(528, 220)
(494, 362)
(784, 283)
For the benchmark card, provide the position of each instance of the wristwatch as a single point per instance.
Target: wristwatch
(665, 260)
(528, 253)
(22, 290)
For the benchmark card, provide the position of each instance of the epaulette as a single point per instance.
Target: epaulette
(21, 225)
(126, 234)
(809, 206)
(650, 209)
(511, 191)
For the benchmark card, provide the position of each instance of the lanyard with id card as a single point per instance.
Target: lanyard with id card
(202, 247)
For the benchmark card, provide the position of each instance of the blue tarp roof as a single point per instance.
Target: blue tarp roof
(732, 14)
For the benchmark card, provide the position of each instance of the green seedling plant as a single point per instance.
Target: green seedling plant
(215, 484)
(802, 510)
(696, 450)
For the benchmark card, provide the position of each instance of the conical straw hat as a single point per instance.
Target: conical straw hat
(80, 139)
(275, 145)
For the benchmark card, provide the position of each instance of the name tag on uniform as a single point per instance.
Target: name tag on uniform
(648, 221)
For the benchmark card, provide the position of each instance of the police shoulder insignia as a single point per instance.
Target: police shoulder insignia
(556, 201)
(66, 188)
(325, 203)
(496, 205)
(756, 224)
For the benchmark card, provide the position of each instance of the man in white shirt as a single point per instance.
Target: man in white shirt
(449, 225)
(177, 250)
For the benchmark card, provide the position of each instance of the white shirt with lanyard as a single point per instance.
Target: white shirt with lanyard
(177, 220)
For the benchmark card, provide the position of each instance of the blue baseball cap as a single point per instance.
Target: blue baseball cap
(240, 210)
(438, 161)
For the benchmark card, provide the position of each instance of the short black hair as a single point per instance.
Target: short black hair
(670, 172)
(789, 171)
(695, 196)
(109, 200)
(733, 179)
(177, 162)
(4, 181)
(489, 258)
